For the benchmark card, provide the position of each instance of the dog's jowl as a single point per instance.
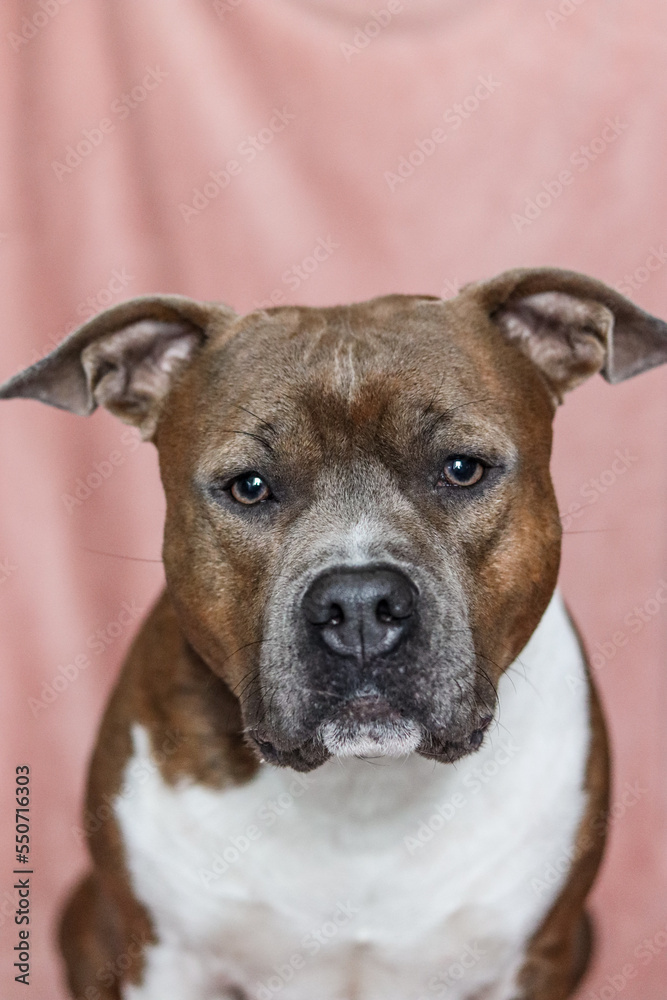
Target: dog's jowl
(311, 796)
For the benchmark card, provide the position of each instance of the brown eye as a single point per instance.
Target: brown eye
(250, 489)
(460, 470)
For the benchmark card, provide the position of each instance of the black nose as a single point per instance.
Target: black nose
(361, 612)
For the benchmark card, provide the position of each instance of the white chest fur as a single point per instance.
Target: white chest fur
(383, 880)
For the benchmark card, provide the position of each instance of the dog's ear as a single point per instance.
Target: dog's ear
(124, 359)
(572, 326)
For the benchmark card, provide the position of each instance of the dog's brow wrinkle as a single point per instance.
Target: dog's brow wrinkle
(256, 437)
(263, 423)
(446, 414)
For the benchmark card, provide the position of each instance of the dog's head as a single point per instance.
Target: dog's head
(361, 530)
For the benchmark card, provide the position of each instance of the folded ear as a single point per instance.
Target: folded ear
(124, 359)
(572, 326)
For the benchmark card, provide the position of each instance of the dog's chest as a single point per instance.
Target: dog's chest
(384, 880)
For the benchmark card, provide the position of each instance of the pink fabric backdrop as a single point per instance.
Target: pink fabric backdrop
(336, 102)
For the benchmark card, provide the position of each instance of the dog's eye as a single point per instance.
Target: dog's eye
(250, 489)
(460, 470)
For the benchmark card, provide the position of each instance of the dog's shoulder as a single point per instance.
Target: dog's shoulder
(190, 720)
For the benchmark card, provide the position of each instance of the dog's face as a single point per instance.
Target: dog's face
(368, 527)
(361, 530)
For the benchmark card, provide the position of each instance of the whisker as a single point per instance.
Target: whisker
(589, 531)
(118, 555)
(525, 676)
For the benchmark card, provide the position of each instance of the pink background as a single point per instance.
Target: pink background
(356, 111)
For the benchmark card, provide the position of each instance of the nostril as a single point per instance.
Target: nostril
(322, 611)
(336, 616)
(397, 605)
(383, 612)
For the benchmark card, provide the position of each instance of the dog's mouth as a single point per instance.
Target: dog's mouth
(367, 725)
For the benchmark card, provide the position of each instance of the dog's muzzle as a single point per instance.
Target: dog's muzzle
(361, 615)
(378, 673)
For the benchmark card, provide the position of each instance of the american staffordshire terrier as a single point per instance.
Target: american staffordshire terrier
(342, 761)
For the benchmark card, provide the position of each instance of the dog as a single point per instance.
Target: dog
(297, 790)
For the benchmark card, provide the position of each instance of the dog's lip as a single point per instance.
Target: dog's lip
(436, 746)
(369, 708)
(362, 706)
(365, 708)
